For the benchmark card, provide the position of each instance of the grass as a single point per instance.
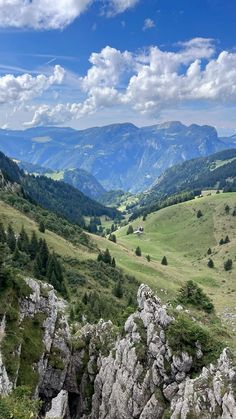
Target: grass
(174, 232)
(177, 233)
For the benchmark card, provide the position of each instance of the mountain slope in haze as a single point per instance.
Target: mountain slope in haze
(78, 178)
(55, 196)
(120, 156)
(217, 171)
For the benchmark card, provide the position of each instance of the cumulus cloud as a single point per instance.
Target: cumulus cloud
(25, 87)
(48, 14)
(151, 81)
(148, 24)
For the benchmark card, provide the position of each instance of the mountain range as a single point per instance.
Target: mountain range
(120, 156)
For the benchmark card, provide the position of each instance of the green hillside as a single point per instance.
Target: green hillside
(218, 172)
(177, 233)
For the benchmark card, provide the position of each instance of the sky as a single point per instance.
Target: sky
(84, 63)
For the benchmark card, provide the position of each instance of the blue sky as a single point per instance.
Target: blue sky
(82, 63)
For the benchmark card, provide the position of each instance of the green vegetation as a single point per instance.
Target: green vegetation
(192, 294)
(19, 405)
(183, 334)
(138, 251)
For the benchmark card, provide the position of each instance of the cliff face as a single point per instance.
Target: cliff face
(98, 374)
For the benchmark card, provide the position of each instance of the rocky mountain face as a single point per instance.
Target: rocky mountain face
(96, 373)
(120, 156)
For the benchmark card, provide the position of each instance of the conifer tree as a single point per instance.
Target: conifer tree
(164, 261)
(4, 274)
(138, 251)
(107, 257)
(11, 238)
(42, 227)
(43, 256)
(227, 240)
(23, 241)
(113, 263)
(209, 252)
(199, 214)
(227, 209)
(228, 265)
(118, 290)
(210, 263)
(130, 230)
(3, 237)
(33, 246)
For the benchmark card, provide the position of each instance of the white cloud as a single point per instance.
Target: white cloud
(119, 6)
(25, 87)
(150, 82)
(49, 14)
(148, 24)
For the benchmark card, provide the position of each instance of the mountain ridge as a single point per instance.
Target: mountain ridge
(120, 156)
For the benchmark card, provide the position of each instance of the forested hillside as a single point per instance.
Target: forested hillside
(55, 196)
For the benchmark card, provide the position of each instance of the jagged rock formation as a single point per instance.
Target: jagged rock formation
(98, 374)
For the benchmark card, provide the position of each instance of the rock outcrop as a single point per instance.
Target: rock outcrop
(96, 373)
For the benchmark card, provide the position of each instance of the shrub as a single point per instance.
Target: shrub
(184, 333)
(209, 252)
(192, 294)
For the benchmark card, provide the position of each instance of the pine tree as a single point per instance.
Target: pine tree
(228, 265)
(16, 255)
(11, 238)
(3, 237)
(113, 263)
(42, 227)
(221, 242)
(107, 257)
(164, 261)
(234, 213)
(118, 290)
(210, 263)
(130, 230)
(148, 258)
(37, 267)
(99, 258)
(4, 274)
(112, 238)
(209, 252)
(138, 251)
(23, 241)
(227, 209)
(43, 257)
(199, 214)
(33, 246)
(227, 240)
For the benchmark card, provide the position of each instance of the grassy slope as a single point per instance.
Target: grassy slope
(55, 242)
(178, 234)
(175, 232)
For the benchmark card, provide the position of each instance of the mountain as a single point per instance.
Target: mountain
(78, 178)
(120, 156)
(55, 196)
(217, 171)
